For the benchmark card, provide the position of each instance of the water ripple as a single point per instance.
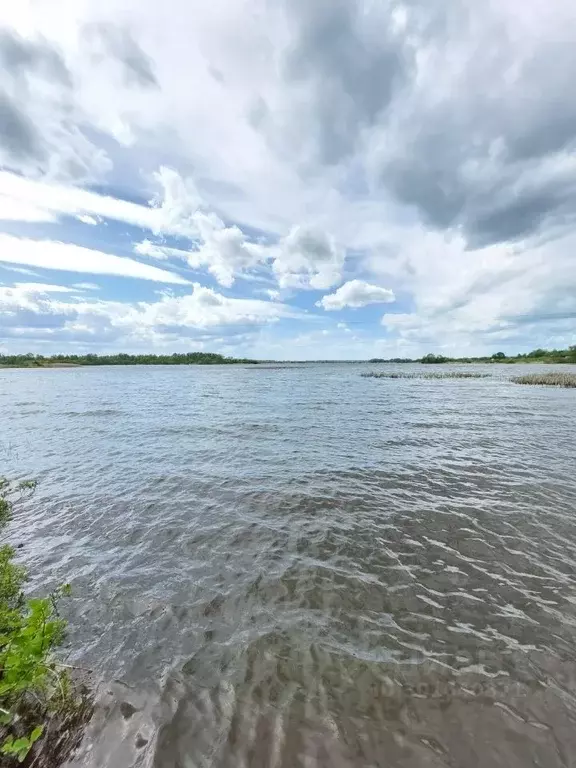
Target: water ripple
(304, 567)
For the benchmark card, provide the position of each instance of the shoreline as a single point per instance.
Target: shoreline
(280, 364)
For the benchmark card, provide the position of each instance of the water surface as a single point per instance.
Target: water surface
(303, 567)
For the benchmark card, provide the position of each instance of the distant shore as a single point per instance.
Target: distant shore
(80, 361)
(544, 356)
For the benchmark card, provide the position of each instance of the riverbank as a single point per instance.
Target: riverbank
(537, 356)
(35, 364)
(79, 361)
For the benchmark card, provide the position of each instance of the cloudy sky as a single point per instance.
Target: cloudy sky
(287, 179)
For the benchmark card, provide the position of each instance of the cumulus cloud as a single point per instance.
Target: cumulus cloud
(520, 296)
(225, 251)
(68, 257)
(27, 310)
(356, 294)
(308, 258)
(204, 308)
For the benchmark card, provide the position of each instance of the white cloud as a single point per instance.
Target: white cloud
(49, 254)
(59, 200)
(30, 297)
(21, 270)
(12, 209)
(87, 286)
(522, 296)
(35, 200)
(308, 258)
(205, 308)
(42, 288)
(31, 312)
(177, 202)
(305, 258)
(225, 251)
(85, 218)
(356, 294)
(155, 251)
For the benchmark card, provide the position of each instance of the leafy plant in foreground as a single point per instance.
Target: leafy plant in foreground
(32, 685)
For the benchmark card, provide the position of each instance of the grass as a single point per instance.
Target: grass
(551, 379)
(434, 375)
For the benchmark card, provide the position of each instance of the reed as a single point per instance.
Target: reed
(551, 379)
(432, 375)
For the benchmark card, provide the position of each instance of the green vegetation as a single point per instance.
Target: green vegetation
(210, 358)
(39, 704)
(55, 361)
(536, 356)
(547, 379)
(436, 375)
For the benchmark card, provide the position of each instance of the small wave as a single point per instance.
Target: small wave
(94, 412)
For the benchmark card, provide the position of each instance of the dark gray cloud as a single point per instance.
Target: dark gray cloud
(19, 139)
(21, 57)
(487, 148)
(23, 144)
(518, 216)
(466, 108)
(41, 128)
(340, 74)
(119, 43)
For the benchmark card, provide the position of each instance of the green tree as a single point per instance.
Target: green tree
(430, 358)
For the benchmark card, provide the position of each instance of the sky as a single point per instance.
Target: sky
(287, 179)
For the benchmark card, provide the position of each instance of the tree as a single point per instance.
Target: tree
(430, 358)
(499, 356)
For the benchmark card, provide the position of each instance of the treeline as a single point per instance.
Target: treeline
(185, 358)
(536, 356)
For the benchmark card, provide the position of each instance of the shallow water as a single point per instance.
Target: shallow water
(303, 567)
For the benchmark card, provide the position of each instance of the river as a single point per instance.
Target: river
(298, 566)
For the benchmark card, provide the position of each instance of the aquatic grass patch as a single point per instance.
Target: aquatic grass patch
(551, 379)
(433, 375)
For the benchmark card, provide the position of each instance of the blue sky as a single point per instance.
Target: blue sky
(287, 180)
